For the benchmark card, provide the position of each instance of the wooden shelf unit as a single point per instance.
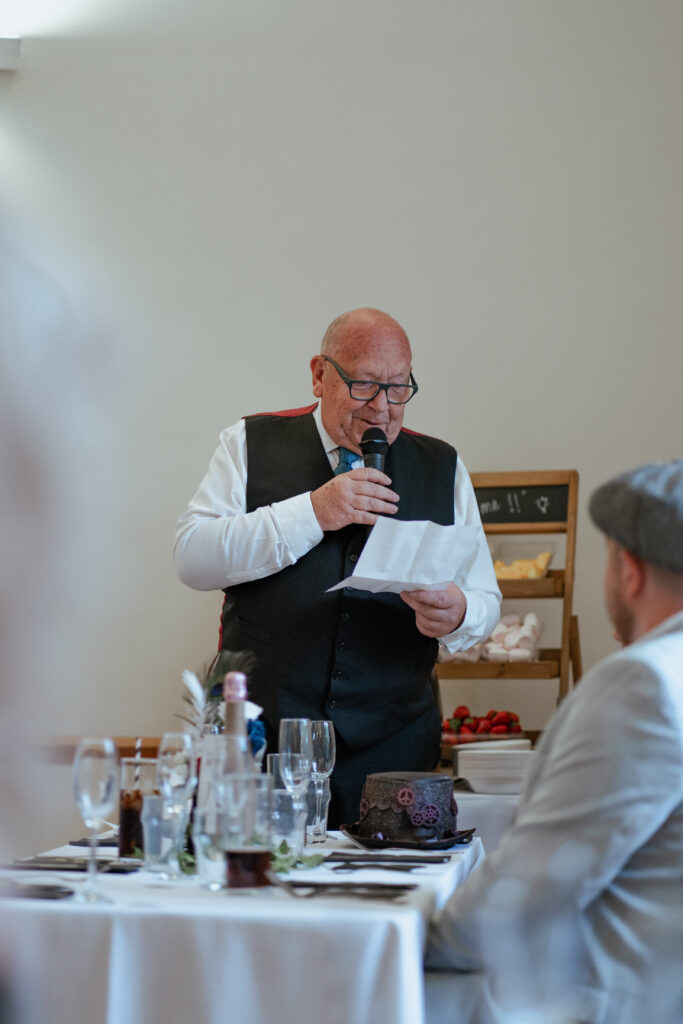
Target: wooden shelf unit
(557, 584)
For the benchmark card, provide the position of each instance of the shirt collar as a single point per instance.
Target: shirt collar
(328, 444)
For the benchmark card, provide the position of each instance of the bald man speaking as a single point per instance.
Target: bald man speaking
(282, 515)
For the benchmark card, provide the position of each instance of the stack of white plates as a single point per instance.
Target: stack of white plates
(502, 744)
(495, 771)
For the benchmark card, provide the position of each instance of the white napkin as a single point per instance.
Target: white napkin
(418, 555)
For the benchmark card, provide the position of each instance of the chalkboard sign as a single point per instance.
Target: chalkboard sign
(523, 504)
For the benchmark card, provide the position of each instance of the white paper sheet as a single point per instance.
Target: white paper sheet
(418, 555)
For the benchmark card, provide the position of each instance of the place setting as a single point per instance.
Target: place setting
(186, 821)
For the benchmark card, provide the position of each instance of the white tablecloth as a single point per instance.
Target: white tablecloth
(174, 954)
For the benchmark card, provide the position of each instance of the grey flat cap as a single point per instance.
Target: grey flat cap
(643, 511)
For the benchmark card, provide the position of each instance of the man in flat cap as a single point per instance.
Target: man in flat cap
(578, 915)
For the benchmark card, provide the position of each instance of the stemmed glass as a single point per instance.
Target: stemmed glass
(323, 753)
(323, 749)
(294, 744)
(323, 761)
(95, 778)
(176, 779)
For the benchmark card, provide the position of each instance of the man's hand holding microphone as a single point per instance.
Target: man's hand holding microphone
(360, 495)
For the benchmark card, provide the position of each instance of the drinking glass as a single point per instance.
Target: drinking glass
(246, 803)
(317, 807)
(323, 753)
(294, 744)
(295, 772)
(289, 807)
(95, 778)
(176, 779)
(323, 749)
(209, 847)
(138, 780)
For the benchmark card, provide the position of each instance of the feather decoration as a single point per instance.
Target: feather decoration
(196, 694)
(203, 693)
(195, 698)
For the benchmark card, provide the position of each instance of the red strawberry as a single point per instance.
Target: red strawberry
(484, 725)
(498, 730)
(513, 716)
(514, 727)
(492, 713)
(502, 718)
(462, 711)
(466, 731)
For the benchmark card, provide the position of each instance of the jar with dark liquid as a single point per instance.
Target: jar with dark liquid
(138, 779)
(247, 810)
(247, 869)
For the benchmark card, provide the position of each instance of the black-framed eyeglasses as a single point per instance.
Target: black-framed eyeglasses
(366, 390)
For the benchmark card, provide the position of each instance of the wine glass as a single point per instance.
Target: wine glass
(294, 744)
(295, 771)
(176, 779)
(323, 753)
(323, 749)
(95, 778)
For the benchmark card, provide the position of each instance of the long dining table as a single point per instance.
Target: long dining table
(169, 952)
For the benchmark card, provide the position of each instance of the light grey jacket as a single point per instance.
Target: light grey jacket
(581, 906)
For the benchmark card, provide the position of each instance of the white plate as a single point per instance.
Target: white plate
(494, 760)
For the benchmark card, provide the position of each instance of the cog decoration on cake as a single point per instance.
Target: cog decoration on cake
(431, 814)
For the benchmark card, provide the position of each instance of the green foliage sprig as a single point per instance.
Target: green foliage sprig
(283, 860)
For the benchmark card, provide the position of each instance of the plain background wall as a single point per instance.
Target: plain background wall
(224, 178)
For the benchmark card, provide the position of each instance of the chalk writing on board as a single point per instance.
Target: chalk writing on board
(514, 506)
(486, 507)
(532, 504)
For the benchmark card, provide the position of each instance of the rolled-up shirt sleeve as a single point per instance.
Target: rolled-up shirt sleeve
(219, 544)
(478, 582)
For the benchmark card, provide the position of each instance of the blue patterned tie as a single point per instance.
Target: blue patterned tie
(346, 460)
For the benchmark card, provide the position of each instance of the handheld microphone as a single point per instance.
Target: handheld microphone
(374, 446)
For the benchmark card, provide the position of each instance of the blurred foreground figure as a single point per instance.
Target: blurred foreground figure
(52, 509)
(577, 917)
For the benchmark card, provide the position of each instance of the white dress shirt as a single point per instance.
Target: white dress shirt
(219, 544)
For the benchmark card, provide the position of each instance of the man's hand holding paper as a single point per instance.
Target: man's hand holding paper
(437, 612)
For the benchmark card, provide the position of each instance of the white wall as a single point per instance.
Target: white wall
(505, 178)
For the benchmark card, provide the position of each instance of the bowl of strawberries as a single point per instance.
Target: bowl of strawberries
(465, 727)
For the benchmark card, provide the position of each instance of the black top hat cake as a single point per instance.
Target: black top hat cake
(408, 807)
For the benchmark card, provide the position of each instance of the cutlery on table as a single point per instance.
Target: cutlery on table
(386, 858)
(365, 865)
(368, 890)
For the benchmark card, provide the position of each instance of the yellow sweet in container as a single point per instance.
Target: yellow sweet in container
(523, 568)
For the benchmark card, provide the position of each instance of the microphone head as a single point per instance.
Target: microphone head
(374, 441)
